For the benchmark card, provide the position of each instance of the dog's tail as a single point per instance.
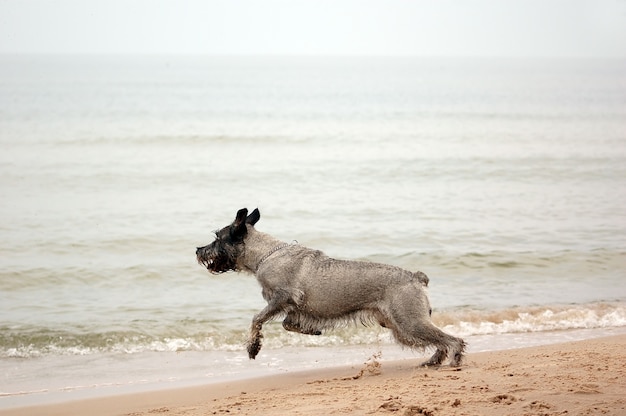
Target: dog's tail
(422, 278)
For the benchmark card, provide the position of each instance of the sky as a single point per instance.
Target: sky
(517, 28)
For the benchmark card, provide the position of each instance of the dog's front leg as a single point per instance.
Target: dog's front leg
(275, 305)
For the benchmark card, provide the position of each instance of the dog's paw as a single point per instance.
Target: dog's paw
(429, 364)
(457, 360)
(254, 347)
(436, 359)
(310, 331)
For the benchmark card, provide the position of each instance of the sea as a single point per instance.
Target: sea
(504, 180)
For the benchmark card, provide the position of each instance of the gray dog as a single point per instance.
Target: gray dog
(315, 292)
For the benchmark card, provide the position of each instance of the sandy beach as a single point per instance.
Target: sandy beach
(576, 378)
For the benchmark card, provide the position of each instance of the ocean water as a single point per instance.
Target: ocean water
(502, 180)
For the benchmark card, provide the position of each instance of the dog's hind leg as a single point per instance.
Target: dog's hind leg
(446, 345)
(275, 305)
(450, 345)
(421, 336)
(409, 320)
(457, 350)
(293, 323)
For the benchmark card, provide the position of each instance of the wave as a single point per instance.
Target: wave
(27, 342)
(532, 319)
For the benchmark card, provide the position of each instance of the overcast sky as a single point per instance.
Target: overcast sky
(306, 27)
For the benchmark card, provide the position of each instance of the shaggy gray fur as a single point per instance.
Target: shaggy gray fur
(315, 293)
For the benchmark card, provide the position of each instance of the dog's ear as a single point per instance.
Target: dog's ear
(238, 230)
(254, 217)
(241, 215)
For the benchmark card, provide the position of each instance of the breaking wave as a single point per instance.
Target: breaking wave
(27, 342)
(533, 319)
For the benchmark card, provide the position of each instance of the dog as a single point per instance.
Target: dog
(314, 292)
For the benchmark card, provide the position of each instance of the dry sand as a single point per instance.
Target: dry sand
(577, 378)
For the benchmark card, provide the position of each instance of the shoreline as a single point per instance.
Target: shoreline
(56, 379)
(577, 377)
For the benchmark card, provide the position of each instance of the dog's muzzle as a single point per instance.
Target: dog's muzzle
(201, 255)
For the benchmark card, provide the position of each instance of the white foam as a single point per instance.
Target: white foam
(542, 319)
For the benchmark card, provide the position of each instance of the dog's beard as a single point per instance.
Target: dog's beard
(219, 261)
(217, 265)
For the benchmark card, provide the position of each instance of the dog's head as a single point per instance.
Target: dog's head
(221, 255)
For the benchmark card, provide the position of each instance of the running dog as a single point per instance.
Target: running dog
(314, 292)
